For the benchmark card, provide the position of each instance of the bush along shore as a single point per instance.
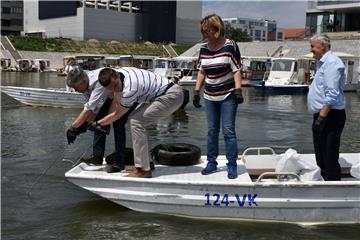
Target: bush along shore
(91, 46)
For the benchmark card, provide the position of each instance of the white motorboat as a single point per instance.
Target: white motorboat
(166, 67)
(183, 191)
(187, 67)
(45, 97)
(352, 63)
(26, 65)
(283, 77)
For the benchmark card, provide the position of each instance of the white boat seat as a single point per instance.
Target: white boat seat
(257, 165)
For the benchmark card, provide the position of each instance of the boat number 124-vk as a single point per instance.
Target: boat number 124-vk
(218, 200)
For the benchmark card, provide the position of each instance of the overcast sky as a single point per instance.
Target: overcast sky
(287, 14)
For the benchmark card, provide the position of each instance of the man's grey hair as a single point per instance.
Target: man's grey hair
(76, 75)
(323, 38)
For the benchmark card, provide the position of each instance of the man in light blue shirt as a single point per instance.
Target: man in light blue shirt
(327, 102)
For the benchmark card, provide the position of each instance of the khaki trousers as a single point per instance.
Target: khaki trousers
(148, 113)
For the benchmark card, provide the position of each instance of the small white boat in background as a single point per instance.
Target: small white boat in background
(25, 65)
(166, 67)
(352, 63)
(39, 97)
(43, 65)
(143, 62)
(254, 69)
(5, 64)
(188, 70)
(118, 61)
(272, 196)
(283, 77)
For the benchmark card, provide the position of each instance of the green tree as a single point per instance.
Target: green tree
(236, 34)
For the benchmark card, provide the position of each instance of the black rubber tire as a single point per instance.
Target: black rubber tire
(176, 154)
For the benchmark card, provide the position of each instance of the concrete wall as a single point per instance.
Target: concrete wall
(67, 27)
(189, 14)
(103, 24)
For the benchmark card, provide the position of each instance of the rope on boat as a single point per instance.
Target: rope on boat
(53, 163)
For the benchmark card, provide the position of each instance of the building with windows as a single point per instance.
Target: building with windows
(155, 21)
(332, 16)
(12, 17)
(258, 30)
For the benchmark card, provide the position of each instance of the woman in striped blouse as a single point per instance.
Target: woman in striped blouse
(219, 68)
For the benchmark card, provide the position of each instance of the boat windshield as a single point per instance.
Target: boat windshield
(282, 65)
(186, 65)
(160, 63)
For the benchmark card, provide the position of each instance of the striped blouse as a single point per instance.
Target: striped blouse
(141, 86)
(219, 67)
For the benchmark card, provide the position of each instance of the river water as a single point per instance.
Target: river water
(32, 138)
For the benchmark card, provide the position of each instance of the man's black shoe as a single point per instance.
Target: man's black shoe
(114, 168)
(152, 165)
(93, 161)
(110, 159)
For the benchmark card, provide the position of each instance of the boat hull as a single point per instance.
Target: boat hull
(44, 97)
(184, 191)
(286, 89)
(289, 203)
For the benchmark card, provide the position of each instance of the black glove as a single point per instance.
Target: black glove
(319, 124)
(238, 96)
(196, 100)
(71, 134)
(82, 128)
(96, 126)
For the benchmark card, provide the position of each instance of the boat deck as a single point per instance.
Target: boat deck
(181, 173)
(249, 171)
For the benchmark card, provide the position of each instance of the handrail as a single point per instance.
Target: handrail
(258, 149)
(278, 175)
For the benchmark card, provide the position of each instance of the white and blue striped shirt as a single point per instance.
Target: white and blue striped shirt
(141, 86)
(327, 89)
(96, 94)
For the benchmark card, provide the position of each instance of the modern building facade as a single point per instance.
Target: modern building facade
(332, 16)
(155, 21)
(12, 17)
(258, 30)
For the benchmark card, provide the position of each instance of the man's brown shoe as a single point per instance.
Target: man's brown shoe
(139, 173)
(130, 168)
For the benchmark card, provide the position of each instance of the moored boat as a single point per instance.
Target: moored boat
(26, 65)
(254, 196)
(45, 97)
(284, 77)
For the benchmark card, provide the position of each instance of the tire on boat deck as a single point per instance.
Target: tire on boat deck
(176, 154)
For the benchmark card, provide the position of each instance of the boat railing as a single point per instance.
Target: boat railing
(279, 176)
(258, 150)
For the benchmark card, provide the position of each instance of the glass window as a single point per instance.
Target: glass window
(160, 63)
(257, 34)
(282, 65)
(5, 10)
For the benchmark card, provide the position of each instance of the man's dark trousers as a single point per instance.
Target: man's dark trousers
(119, 135)
(327, 144)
